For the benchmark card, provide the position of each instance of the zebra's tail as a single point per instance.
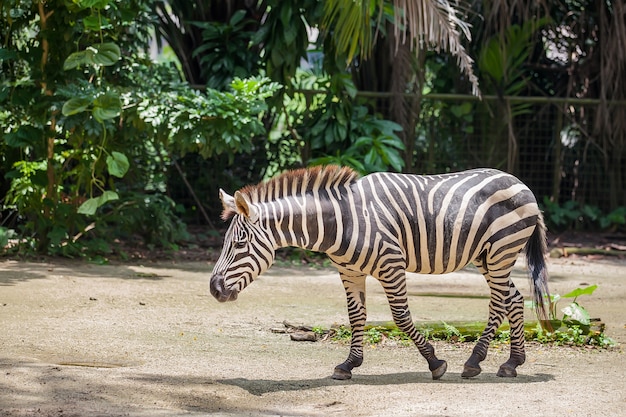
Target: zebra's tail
(535, 251)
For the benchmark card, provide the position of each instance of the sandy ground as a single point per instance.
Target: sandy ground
(149, 340)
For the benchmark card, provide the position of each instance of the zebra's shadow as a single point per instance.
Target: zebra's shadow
(264, 386)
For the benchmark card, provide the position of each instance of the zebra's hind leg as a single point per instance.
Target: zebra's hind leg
(515, 315)
(354, 284)
(395, 289)
(500, 286)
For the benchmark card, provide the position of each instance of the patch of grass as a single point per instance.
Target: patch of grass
(566, 336)
(572, 335)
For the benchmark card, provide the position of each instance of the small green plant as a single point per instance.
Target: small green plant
(319, 331)
(341, 333)
(575, 325)
(502, 336)
(452, 333)
(614, 219)
(374, 335)
(558, 216)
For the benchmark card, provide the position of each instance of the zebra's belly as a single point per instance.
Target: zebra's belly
(442, 258)
(438, 266)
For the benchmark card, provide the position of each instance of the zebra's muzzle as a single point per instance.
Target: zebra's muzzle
(219, 291)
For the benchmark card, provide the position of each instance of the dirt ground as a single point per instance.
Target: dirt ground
(149, 340)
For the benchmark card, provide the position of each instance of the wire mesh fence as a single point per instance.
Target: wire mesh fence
(551, 144)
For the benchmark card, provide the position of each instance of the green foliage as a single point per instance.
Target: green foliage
(501, 59)
(573, 215)
(5, 235)
(100, 54)
(573, 335)
(83, 136)
(575, 327)
(372, 141)
(341, 333)
(445, 128)
(334, 129)
(559, 217)
(225, 51)
(573, 310)
(152, 217)
(283, 37)
(219, 122)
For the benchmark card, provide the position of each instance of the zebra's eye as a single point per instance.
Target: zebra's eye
(240, 244)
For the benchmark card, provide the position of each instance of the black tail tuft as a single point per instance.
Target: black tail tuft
(535, 251)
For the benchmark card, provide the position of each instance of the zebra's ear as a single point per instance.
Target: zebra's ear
(227, 200)
(243, 206)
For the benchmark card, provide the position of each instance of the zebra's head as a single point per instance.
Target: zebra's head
(248, 249)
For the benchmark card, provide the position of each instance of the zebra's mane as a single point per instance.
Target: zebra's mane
(296, 183)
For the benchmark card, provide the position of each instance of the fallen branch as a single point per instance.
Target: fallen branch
(297, 333)
(566, 251)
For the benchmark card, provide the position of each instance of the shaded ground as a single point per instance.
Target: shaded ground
(149, 340)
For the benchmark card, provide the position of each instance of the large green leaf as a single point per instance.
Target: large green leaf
(107, 54)
(237, 17)
(104, 54)
(107, 106)
(106, 197)
(118, 165)
(95, 4)
(95, 23)
(75, 105)
(394, 159)
(363, 141)
(90, 206)
(77, 59)
(25, 135)
(580, 291)
(577, 313)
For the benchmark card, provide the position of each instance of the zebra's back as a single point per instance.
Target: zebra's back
(437, 223)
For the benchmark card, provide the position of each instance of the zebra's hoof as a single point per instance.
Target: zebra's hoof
(507, 371)
(341, 374)
(470, 371)
(440, 370)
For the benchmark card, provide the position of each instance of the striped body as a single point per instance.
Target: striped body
(383, 225)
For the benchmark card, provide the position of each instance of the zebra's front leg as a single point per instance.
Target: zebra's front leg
(354, 284)
(395, 289)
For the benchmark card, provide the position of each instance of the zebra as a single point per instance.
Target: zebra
(384, 225)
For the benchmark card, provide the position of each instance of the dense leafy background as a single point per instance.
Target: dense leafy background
(102, 144)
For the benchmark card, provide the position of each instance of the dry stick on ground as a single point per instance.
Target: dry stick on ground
(566, 251)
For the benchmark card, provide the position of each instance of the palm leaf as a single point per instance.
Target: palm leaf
(420, 24)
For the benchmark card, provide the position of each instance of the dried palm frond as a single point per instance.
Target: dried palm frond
(418, 23)
(500, 13)
(435, 24)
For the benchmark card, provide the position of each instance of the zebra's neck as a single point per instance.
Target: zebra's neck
(308, 222)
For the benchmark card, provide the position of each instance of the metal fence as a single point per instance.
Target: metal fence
(549, 143)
